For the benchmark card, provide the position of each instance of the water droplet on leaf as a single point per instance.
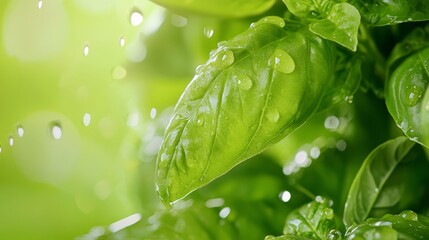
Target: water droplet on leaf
(55, 130)
(200, 120)
(409, 215)
(20, 131)
(329, 213)
(272, 114)
(225, 58)
(281, 61)
(414, 95)
(275, 20)
(244, 82)
(334, 235)
(136, 17)
(11, 141)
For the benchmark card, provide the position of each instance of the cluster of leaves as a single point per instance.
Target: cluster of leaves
(321, 74)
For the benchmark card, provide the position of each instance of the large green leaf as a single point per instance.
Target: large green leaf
(406, 225)
(371, 178)
(381, 12)
(252, 92)
(220, 8)
(404, 93)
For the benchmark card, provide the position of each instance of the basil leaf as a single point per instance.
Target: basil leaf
(220, 8)
(371, 178)
(404, 92)
(314, 220)
(406, 225)
(380, 12)
(253, 91)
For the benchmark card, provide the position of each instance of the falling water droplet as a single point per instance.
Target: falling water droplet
(119, 72)
(414, 95)
(244, 82)
(86, 50)
(153, 113)
(272, 114)
(11, 141)
(39, 4)
(200, 120)
(409, 215)
(275, 20)
(20, 131)
(225, 58)
(208, 32)
(55, 130)
(136, 17)
(282, 62)
(86, 119)
(122, 41)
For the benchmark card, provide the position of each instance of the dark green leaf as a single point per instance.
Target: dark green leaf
(253, 91)
(404, 93)
(406, 225)
(220, 8)
(381, 12)
(371, 178)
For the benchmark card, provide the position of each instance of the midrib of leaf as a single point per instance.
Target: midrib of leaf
(310, 224)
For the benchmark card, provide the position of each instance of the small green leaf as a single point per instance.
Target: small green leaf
(405, 90)
(406, 225)
(340, 26)
(314, 220)
(253, 91)
(309, 9)
(371, 178)
(220, 8)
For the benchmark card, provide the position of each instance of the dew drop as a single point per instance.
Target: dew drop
(329, 213)
(11, 141)
(275, 20)
(281, 61)
(153, 113)
(200, 120)
(55, 130)
(119, 72)
(409, 215)
(334, 235)
(414, 95)
(225, 58)
(136, 17)
(244, 82)
(39, 4)
(122, 41)
(20, 131)
(86, 119)
(269, 237)
(285, 196)
(272, 114)
(208, 32)
(85, 50)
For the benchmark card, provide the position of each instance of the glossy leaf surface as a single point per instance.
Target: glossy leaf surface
(220, 8)
(371, 178)
(252, 92)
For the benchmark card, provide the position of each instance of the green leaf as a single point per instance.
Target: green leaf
(253, 91)
(340, 26)
(314, 220)
(309, 9)
(381, 12)
(404, 93)
(220, 8)
(406, 225)
(371, 178)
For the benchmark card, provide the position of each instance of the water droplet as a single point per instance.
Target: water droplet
(334, 235)
(414, 95)
(20, 131)
(215, 202)
(244, 82)
(136, 17)
(409, 215)
(208, 32)
(224, 212)
(86, 119)
(275, 20)
(86, 50)
(55, 130)
(39, 4)
(341, 145)
(332, 123)
(319, 199)
(315, 152)
(269, 237)
(200, 120)
(301, 159)
(348, 99)
(314, 13)
(11, 141)
(285, 196)
(329, 213)
(119, 72)
(179, 21)
(122, 41)
(272, 114)
(1, 149)
(225, 58)
(153, 113)
(282, 62)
